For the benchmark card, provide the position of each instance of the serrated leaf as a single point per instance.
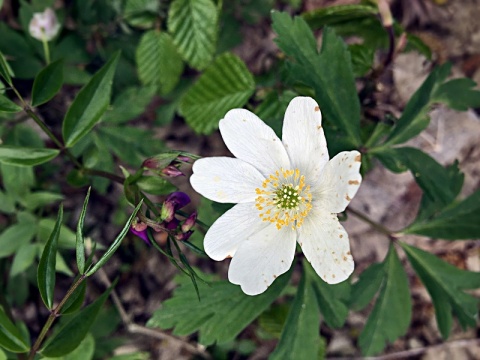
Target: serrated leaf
(47, 264)
(457, 221)
(89, 104)
(458, 94)
(300, 335)
(224, 310)
(8, 106)
(116, 243)
(367, 286)
(23, 156)
(158, 61)
(329, 73)
(446, 283)
(193, 25)
(391, 315)
(47, 83)
(225, 84)
(10, 336)
(24, 258)
(72, 333)
(79, 243)
(415, 117)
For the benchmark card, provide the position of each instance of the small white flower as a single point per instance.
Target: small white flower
(44, 25)
(286, 191)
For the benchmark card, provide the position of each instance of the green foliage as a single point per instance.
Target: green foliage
(446, 285)
(89, 104)
(367, 286)
(391, 315)
(47, 83)
(329, 73)
(8, 106)
(21, 156)
(47, 264)
(300, 335)
(5, 70)
(158, 61)
(223, 311)
(80, 241)
(69, 336)
(333, 15)
(225, 84)
(193, 25)
(10, 336)
(84, 351)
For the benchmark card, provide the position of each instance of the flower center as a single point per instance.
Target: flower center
(284, 198)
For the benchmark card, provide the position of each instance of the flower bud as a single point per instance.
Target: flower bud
(140, 230)
(189, 222)
(44, 26)
(172, 171)
(172, 203)
(183, 236)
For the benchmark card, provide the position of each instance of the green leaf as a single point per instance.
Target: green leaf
(331, 300)
(367, 286)
(300, 335)
(75, 301)
(457, 221)
(8, 106)
(158, 61)
(23, 156)
(155, 185)
(16, 236)
(66, 238)
(89, 104)
(141, 13)
(446, 283)
(331, 15)
(72, 333)
(47, 83)
(116, 243)
(35, 200)
(47, 264)
(391, 315)
(362, 59)
(5, 70)
(130, 104)
(84, 351)
(225, 84)
(329, 73)
(193, 25)
(24, 258)
(224, 310)
(79, 243)
(458, 94)
(10, 337)
(415, 117)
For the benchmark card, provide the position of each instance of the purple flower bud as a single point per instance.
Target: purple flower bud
(172, 171)
(183, 236)
(140, 230)
(183, 158)
(189, 222)
(172, 203)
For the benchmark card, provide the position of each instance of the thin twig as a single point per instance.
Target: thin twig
(379, 227)
(406, 354)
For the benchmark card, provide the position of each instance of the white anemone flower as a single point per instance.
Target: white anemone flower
(286, 191)
(44, 26)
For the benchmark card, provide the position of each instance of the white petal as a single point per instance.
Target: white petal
(262, 258)
(250, 139)
(303, 137)
(231, 229)
(325, 244)
(225, 180)
(338, 182)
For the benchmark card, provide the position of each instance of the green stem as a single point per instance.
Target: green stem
(104, 174)
(379, 227)
(46, 50)
(53, 315)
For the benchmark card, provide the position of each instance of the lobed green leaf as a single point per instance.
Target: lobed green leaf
(224, 85)
(224, 310)
(89, 104)
(446, 283)
(391, 315)
(300, 335)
